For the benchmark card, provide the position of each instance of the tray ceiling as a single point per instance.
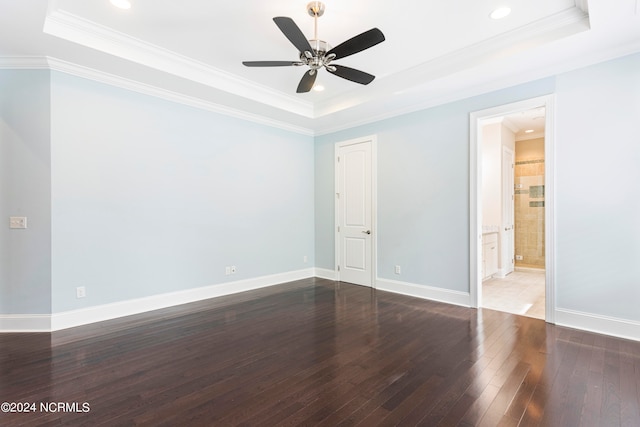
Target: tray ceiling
(434, 51)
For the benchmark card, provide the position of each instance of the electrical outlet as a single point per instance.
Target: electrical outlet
(227, 270)
(233, 269)
(518, 257)
(398, 269)
(17, 222)
(305, 259)
(81, 292)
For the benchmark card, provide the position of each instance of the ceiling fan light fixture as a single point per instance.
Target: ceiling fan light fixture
(318, 88)
(317, 54)
(501, 12)
(121, 4)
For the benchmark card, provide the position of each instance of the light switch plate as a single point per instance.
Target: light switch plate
(18, 222)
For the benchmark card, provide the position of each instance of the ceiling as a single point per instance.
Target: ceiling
(527, 124)
(434, 52)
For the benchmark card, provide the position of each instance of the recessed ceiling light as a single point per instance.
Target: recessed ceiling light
(500, 13)
(122, 4)
(318, 88)
(528, 131)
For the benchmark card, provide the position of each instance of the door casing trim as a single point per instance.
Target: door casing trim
(475, 197)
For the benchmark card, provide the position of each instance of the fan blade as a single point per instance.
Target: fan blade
(358, 43)
(307, 81)
(352, 74)
(270, 63)
(293, 33)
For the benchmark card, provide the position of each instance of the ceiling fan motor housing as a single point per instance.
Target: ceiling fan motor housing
(318, 58)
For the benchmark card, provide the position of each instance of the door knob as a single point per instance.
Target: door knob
(367, 232)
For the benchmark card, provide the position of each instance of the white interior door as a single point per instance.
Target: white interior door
(354, 212)
(508, 243)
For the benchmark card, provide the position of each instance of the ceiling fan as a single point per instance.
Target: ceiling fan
(316, 53)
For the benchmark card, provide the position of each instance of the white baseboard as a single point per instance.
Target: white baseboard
(324, 273)
(616, 327)
(47, 323)
(25, 322)
(99, 313)
(426, 292)
(69, 319)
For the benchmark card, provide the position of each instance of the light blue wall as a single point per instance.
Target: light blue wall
(598, 186)
(423, 190)
(150, 196)
(25, 255)
(144, 196)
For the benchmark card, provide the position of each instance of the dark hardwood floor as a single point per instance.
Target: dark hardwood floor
(315, 352)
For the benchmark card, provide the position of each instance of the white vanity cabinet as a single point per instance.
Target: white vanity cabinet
(489, 255)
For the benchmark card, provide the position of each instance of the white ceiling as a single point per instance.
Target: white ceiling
(527, 124)
(435, 52)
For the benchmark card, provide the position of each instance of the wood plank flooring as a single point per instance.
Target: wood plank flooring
(316, 352)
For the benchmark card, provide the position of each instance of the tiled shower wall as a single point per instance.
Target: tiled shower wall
(529, 213)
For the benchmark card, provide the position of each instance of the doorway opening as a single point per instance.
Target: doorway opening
(512, 209)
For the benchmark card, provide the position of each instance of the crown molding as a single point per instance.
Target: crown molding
(582, 5)
(537, 33)
(391, 96)
(54, 64)
(71, 27)
(490, 85)
(24, 63)
(84, 32)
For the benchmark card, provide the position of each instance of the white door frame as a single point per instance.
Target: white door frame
(507, 258)
(373, 140)
(475, 197)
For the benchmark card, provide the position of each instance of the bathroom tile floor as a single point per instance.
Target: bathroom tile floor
(521, 292)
